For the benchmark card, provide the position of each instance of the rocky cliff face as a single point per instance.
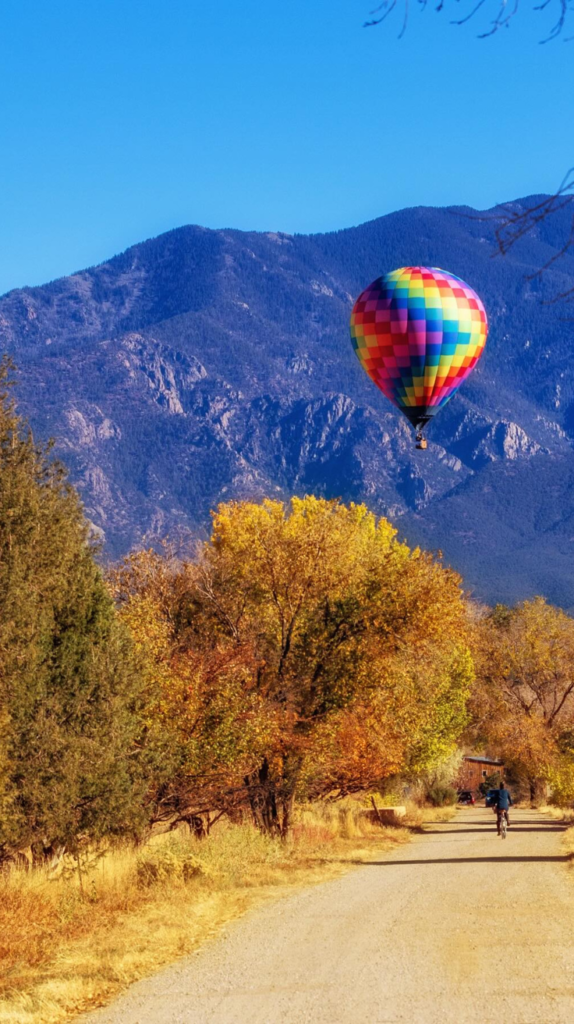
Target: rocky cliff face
(207, 365)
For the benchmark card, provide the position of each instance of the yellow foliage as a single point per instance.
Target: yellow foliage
(523, 702)
(304, 649)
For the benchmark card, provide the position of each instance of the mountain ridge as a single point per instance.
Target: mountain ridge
(204, 364)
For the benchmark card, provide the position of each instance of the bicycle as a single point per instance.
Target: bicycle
(502, 824)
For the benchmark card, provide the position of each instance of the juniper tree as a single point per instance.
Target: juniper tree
(68, 686)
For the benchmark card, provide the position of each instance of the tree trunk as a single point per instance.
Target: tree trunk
(196, 825)
(263, 801)
(287, 816)
(538, 791)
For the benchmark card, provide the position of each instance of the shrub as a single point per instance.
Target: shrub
(173, 863)
(442, 796)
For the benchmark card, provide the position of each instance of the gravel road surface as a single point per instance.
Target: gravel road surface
(459, 926)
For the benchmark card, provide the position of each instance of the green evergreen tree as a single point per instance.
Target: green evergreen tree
(68, 682)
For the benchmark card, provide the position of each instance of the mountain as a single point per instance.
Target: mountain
(206, 365)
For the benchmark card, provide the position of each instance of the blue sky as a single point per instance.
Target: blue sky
(120, 119)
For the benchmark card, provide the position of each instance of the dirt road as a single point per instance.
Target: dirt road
(459, 926)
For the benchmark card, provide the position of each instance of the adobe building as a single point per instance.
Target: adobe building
(474, 770)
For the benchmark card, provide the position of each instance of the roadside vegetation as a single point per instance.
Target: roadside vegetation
(70, 941)
(302, 652)
(182, 736)
(522, 703)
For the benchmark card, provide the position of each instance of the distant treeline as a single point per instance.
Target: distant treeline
(302, 652)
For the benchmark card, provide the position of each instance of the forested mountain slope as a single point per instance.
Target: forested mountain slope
(203, 365)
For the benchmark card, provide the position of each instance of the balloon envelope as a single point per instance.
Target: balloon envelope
(418, 333)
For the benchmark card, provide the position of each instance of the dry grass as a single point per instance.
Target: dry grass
(66, 947)
(418, 816)
(568, 844)
(566, 815)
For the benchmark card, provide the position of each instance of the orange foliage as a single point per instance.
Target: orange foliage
(523, 702)
(304, 650)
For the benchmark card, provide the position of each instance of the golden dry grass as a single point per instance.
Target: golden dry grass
(560, 813)
(66, 948)
(566, 815)
(418, 816)
(568, 844)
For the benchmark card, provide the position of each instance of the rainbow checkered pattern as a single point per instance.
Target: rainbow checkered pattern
(418, 333)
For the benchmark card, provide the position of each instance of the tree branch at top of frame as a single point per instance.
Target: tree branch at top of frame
(503, 13)
(514, 222)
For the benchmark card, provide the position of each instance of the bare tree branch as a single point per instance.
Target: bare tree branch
(504, 12)
(380, 13)
(513, 224)
(471, 14)
(502, 19)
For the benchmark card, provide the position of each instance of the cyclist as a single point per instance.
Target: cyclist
(503, 802)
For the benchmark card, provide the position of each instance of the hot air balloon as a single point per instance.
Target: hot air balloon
(418, 332)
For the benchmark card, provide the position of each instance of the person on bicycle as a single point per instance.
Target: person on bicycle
(503, 803)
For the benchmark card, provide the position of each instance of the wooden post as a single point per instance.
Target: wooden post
(376, 810)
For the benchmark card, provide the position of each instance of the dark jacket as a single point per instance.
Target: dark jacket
(503, 800)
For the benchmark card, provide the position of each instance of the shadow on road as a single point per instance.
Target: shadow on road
(463, 860)
(523, 826)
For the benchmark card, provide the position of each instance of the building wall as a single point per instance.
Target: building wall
(473, 773)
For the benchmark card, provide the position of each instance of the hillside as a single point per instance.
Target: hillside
(204, 365)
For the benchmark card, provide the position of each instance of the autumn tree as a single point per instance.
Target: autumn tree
(203, 725)
(523, 701)
(343, 653)
(68, 691)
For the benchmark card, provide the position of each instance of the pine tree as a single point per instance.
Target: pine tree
(68, 685)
